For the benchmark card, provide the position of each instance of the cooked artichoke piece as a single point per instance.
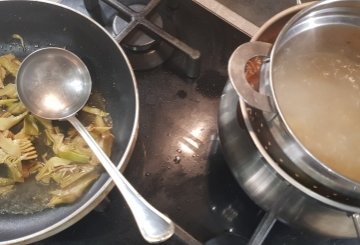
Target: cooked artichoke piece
(95, 111)
(98, 130)
(74, 156)
(7, 120)
(45, 123)
(16, 108)
(103, 137)
(9, 90)
(13, 165)
(7, 101)
(21, 40)
(27, 149)
(9, 147)
(77, 172)
(6, 182)
(72, 192)
(34, 167)
(71, 149)
(10, 63)
(30, 128)
(45, 174)
(2, 76)
(18, 148)
(6, 189)
(99, 122)
(30, 167)
(105, 140)
(64, 172)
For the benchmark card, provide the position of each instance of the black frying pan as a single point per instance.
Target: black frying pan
(41, 25)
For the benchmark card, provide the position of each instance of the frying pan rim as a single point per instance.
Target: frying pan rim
(108, 185)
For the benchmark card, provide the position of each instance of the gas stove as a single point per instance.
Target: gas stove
(178, 164)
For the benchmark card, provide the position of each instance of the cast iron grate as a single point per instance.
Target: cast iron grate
(189, 65)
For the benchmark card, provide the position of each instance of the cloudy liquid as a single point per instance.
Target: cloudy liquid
(316, 79)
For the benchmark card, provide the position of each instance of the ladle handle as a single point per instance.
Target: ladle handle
(154, 226)
(236, 70)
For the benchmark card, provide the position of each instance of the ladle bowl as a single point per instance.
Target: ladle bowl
(53, 83)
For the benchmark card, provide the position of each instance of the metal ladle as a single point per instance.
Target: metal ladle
(55, 84)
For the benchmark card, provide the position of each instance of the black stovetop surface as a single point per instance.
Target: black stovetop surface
(177, 164)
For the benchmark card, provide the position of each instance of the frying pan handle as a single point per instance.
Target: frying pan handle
(154, 226)
(236, 69)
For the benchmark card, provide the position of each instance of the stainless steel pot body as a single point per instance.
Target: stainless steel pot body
(262, 177)
(272, 130)
(272, 188)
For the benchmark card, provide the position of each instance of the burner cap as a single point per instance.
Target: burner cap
(137, 40)
(143, 51)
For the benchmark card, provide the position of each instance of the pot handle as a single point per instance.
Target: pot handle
(236, 69)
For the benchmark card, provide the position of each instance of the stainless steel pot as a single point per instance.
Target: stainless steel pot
(277, 191)
(270, 126)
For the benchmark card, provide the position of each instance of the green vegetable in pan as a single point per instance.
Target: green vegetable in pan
(51, 152)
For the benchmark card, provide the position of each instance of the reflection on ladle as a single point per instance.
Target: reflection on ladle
(55, 98)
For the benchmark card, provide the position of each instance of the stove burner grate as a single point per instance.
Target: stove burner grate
(153, 45)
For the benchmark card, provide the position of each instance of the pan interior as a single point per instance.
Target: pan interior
(55, 26)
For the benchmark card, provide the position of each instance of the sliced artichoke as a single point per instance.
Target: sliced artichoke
(10, 63)
(9, 90)
(7, 120)
(6, 189)
(16, 108)
(71, 149)
(72, 192)
(30, 127)
(95, 111)
(18, 148)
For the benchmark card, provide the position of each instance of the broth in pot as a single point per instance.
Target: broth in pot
(317, 89)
